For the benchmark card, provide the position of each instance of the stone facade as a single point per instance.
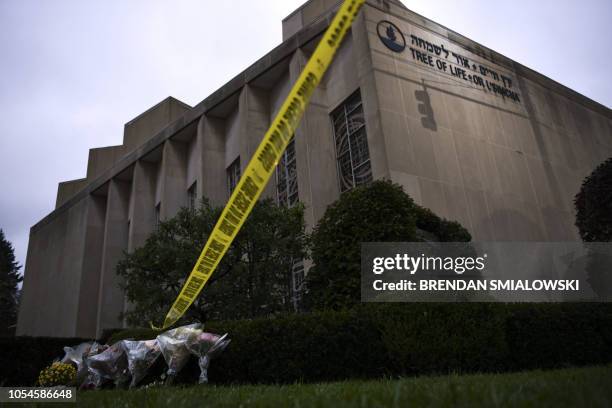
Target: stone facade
(469, 133)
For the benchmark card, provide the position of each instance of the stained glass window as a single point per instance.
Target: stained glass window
(233, 175)
(298, 284)
(286, 177)
(192, 193)
(157, 215)
(352, 152)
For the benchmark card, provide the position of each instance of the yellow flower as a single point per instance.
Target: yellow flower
(57, 374)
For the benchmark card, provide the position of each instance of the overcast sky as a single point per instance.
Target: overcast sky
(73, 72)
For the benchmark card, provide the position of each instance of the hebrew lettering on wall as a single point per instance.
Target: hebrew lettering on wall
(438, 57)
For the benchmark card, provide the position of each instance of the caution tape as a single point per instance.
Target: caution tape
(265, 159)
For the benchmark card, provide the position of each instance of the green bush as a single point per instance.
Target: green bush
(594, 205)
(594, 221)
(22, 358)
(556, 335)
(378, 212)
(374, 340)
(310, 347)
(443, 230)
(252, 280)
(408, 339)
(440, 338)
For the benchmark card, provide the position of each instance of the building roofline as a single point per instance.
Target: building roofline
(498, 58)
(277, 55)
(294, 12)
(169, 98)
(73, 181)
(104, 147)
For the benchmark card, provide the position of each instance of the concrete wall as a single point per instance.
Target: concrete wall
(110, 298)
(305, 15)
(101, 159)
(276, 97)
(232, 138)
(173, 178)
(62, 272)
(315, 147)
(142, 203)
(505, 169)
(72, 256)
(193, 161)
(141, 217)
(146, 125)
(255, 109)
(67, 189)
(211, 131)
(138, 131)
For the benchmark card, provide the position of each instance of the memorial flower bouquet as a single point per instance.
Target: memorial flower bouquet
(140, 356)
(111, 364)
(75, 356)
(207, 346)
(174, 347)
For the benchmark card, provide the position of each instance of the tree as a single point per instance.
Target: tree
(594, 221)
(253, 279)
(378, 212)
(9, 281)
(594, 205)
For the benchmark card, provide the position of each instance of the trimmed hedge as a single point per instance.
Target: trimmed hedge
(22, 358)
(378, 340)
(409, 339)
(559, 335)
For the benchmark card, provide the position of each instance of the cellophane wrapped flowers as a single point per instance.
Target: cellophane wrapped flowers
(207, 346)
(174, 347)
(140, 356)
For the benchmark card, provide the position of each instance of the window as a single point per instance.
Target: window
(286, 178)
(157, 215)
(192, 196)
(352, 153)
(298, 276)
(298, 283)
(233, 175)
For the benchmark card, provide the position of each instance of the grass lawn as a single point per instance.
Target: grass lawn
(577, 387)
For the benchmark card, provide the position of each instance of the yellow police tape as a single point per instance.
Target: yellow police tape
(261, 166)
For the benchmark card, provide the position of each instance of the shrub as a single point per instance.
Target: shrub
(443, 230)
(440, 338)
(408, 339)
(22, 358)
(378, 212)
(311, 347)
(375, 340)
(594, 221)
(594, 205)
(557, 335)
(252, 280)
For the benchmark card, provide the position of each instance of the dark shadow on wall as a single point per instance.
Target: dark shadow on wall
(543, 149)
(568, 152)
(508, 225)
(428, 119)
